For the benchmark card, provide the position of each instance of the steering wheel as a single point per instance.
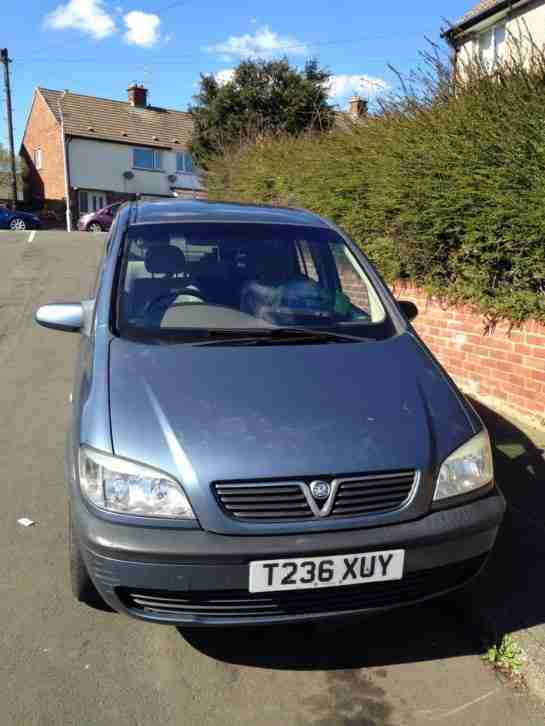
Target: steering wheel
(164, 301)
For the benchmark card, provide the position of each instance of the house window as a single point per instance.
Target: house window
(38, 158)
(184, 162)
(492, 45)
(90, 201)
(150, 159)
(98, 200)
(83, 203)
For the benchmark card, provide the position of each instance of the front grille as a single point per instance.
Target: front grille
(242, 604)
(354, 496)
(263, 501)
(373, 494)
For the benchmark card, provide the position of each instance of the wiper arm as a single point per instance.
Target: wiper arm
(318, 333)
(277, 335)
(240, 336)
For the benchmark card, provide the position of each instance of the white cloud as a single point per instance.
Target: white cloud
(88, 16)
(340, 87)
(264, 43)
(142, 28)
(223, 77)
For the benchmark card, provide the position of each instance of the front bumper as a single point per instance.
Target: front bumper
(192, 577)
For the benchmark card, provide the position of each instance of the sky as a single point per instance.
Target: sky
(99, 47)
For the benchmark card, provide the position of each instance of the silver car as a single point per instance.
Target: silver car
(258, 434)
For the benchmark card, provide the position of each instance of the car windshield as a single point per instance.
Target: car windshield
(246, 278)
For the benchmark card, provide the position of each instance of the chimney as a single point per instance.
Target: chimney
(138, 95)
(357, 107)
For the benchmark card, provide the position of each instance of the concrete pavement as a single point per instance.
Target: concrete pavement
(63, 663)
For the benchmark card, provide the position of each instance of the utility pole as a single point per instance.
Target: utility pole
(66, 166)
(4, 58)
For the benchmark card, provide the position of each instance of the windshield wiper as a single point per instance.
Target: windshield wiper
(278, 336)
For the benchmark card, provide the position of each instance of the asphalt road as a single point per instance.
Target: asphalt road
(63, 663)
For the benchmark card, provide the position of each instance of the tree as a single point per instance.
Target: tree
(262, 97)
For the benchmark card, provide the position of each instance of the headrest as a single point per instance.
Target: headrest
(165, 260)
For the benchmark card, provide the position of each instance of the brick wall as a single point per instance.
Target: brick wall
(352, 284)
(43, 132)
(505, 365)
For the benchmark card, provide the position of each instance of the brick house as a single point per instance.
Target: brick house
(492, 28)
(101, 151)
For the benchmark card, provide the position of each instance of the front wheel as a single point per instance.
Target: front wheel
(17, 224)
(83, 588)
(94, 227)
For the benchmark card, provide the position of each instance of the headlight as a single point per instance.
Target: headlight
(468, 468)
(127, 488)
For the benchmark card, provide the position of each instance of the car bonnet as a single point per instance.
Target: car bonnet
(205, 414)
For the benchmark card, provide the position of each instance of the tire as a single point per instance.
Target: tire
(83, 588)
(94, 227)
(18, 224)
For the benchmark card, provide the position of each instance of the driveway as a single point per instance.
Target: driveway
(63, 663)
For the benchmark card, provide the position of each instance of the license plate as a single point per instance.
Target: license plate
(337, 571)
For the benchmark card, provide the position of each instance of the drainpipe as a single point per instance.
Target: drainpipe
(455, 57)
(66, 165)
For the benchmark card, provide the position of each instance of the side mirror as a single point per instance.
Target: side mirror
(408, 308)
(61, 316)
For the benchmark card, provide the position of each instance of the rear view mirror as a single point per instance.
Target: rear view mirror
(61, 316)
(408, 308)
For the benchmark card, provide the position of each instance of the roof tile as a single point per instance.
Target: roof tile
(108, 120)
(479, 8)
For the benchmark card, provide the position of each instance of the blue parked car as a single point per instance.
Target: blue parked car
(258, 434)
(18, 221)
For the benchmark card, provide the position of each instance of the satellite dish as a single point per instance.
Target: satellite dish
(128, 175)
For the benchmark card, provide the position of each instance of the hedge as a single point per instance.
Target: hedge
(444, 185)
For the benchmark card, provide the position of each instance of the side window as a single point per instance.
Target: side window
(354, 284)
(350, 281)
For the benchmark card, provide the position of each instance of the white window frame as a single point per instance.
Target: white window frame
(38, 158)
(183, 156)
(495, 45)
(99, 200)
(94, 200)
(157, 155)
(83, 202)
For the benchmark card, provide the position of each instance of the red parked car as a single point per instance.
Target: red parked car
(99, 221)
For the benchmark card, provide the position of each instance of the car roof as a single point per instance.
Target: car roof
(196, 210)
